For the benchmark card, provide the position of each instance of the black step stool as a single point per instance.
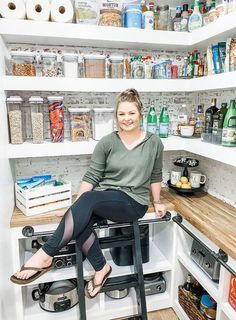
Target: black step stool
(135, 280)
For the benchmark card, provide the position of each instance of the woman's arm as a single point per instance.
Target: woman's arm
(160, 208)
(84, 187)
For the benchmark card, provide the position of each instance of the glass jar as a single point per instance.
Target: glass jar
(56, 118)
(103, 122)
(36, 107)
(80, 124)
(161, 18)
(94, 66)
(110, 17)
(116, 67)
(50, 65)
(70, 65)
(23, 63)
(15, 119)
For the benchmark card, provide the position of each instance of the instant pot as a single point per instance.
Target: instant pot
(56, 296)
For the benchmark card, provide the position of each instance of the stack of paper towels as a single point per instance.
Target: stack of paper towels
(38, 10)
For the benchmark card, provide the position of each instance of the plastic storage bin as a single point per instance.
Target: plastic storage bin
(23, 63)
(56, 118)
(70, 65)
(15, 118)
(103, 122)
(80, 121)
(116, 67)
(94, 66)
(36, 106)
(50, 65)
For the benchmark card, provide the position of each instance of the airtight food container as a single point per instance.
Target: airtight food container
(70, 65)
(116, 67)
(23, 63)
(15, 118)
(36, 107)
(103, 122)
(80, 124)
(94, 66)
(50, 65)
(56, 118)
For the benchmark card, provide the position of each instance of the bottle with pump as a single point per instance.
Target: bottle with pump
(152, 119)
(229, 126)
(195, 20)
(209, 116)
(164, 123)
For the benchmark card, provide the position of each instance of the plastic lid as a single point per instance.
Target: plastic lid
(48, 55)
(207, 301)
(14, 99)
(55, 98)
(79, 110)
(22, 53)
(116, 58)
(70, 55)
(103, 110)
(35, 99)
(94, 56)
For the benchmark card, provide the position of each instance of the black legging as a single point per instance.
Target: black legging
(78, 221)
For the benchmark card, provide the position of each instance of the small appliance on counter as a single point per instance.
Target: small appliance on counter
(154, 283)
(56, 296)
(205, 260)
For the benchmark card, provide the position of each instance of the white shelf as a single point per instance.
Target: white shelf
(51, 33)
(211, 287)
(229, 311)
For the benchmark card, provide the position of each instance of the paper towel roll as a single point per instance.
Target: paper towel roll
(14, 9)
(38, 10)
(62, 11)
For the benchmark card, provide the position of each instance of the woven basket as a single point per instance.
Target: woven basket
(188, 306)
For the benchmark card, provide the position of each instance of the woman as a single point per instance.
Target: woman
(124, 166)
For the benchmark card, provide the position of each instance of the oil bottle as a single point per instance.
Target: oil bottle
(229, 127)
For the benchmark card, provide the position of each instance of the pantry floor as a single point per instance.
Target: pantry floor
(165, 314)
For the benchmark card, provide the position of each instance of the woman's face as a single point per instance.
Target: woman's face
(128, 116)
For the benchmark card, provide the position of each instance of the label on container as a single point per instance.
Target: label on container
(147, 20)
(152, 128)
(164, 128)
(229, 135)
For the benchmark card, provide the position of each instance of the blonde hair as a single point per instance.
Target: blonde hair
(129, 95)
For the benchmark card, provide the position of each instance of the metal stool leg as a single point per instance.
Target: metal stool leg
(80, 284)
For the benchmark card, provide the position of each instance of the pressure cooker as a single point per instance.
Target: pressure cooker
(56, 296)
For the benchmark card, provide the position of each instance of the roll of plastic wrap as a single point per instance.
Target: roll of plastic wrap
(14, 9)
(38, 10)
(62, 11)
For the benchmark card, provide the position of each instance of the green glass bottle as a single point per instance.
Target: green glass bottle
(218, 121)
(152, 119)
(164, 123)
(229, 126)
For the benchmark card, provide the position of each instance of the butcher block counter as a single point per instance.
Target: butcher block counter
(214, 218)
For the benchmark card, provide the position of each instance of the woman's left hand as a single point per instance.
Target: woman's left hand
(160, 210)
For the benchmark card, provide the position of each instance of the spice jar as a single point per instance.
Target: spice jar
(116, 67)
(56, 118)
(50, 66)
(23, 63)
(103, 122)
(36, 106)
(110, 18)
(94, 66)
(70, 65)
(15, 119)
(80, 124)
(161, 18)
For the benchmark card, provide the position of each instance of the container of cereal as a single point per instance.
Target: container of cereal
(103, 122)
(70, 65)
(94, 66)
(80, 123)
(15, 118)
(49, 64)
(56, 118)
(23, 63)
(116, 67)
(36, 107)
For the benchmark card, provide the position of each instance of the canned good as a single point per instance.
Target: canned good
(50, 66)
(80, 124)
(94, 66)
(15, 118)
(103, 122)
(36, 106)
(23, 63)
(133, 16)
(116, 67)
(70, 65)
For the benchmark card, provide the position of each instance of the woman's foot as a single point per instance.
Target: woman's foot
(95, 284)
(39, 260)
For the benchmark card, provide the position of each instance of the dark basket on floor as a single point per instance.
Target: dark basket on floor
(188, 306)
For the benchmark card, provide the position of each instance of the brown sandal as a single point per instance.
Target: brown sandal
(96, 285)
(40, 272)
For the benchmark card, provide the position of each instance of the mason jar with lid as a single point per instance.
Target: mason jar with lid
(56, 118)
(36, 107)
(70, 65)
(23, 63)
(49, 64)
(15, 118)
(116, 67)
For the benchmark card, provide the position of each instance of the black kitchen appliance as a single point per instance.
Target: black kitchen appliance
(123, 256)
(154, 283)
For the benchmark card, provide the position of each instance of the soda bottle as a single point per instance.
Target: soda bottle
(152, 119)
(164, 123)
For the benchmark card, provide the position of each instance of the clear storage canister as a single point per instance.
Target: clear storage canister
(56, 118)
(80, 124)
(116, 67)
(49, 64)
(103, 122)
(70, 65)
(161, 18)
(94, 66)
(133, 16)
(36, 106)
(23, 63)
(110, 18)
(15, 118)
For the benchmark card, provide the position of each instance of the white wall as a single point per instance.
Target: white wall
(6, 206)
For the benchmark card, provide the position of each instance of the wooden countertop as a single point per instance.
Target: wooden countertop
(214, 218)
